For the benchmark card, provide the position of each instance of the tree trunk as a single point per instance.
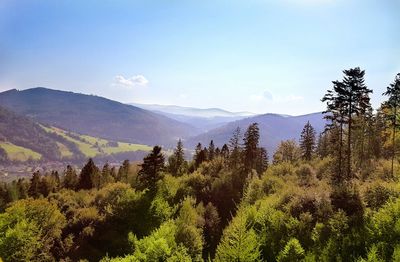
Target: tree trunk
(394, 139)
(362, 142)
(340, 147)
(349, 145)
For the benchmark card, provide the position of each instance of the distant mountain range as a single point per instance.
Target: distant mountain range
(87, 125)
(192, 111)
(273, 129)
(202, 119)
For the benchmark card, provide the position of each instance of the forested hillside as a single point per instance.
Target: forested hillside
(95, 116)
(329, 196)
(273, 129)
(24, 140)
(19, 131)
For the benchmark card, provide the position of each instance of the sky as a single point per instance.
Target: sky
(276, 56)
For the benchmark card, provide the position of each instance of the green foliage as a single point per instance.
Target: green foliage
(189, 230)
(70, 178)
(251, 143)
(292, 252)
(90, 176)
(384, 227)
(307, 142)
(226, 205)
(159, 245)
(287, 151)
(372, 256)
(377, 194)
(239, 242)
(152, 166)
(29, 229)
(212, 230)
(306, 175)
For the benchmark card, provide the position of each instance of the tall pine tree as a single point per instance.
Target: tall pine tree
(307, 141)
(349, 98)
(152, 166)
(393, 92)
(89, 177)
(251, 141)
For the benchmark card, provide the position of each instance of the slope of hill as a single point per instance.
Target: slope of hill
(21, 138)
(203, 119)
(95, 116)
(273, 129)
(91, 146)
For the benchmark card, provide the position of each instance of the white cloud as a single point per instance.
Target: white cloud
(136, 80)
(268, 95)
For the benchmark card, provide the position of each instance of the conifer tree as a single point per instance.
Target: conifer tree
(199, 156)
(356, 95)
(23, 188)
(322, 145)
(225, 151)
(123, 171)
(89, 176)
(212, 230)
(176, 162)
(251, 141)
(106, 177)
(235, 148)
(152, 166)
(34, 188)
(70, 178)
(239, 242)
(262, 160)
(349, 98)
(56, 178)
(307, 141)
(393, 92)
(211, 150)
(335, 114)
(217, 152)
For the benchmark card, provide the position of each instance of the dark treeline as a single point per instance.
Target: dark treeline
(333, 196)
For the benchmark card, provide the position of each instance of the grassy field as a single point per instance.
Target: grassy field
(19, 153)
(65, 152)
(92, 146)
(125, 147)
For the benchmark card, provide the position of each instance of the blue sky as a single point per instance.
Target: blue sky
(255, 55)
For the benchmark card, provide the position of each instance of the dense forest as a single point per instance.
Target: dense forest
(333, 196)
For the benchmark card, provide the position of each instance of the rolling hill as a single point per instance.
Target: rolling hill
(95, 116)
(23, 139)
(273, 129)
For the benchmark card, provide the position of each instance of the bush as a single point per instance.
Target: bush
(281, 169)
(376, 195)
(28, 230)
(306, 175)
(323, 168)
